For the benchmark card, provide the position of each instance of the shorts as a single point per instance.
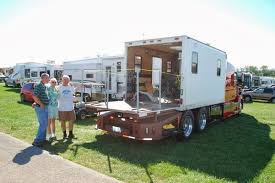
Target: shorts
(52, 112)
(66, 115)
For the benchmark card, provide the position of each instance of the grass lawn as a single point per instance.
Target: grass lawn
(241, 149)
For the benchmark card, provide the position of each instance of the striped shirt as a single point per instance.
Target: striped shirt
(41, 92)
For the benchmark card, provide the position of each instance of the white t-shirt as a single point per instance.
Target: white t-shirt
(65, 98)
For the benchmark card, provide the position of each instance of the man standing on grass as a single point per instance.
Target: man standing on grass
(66, 106)
(41, 99)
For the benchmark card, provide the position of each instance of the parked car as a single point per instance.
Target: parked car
(267, 93)
(12, 80)
(2, 77)
(26, 92)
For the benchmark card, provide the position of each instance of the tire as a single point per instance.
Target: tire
(273, 100)
(247, 98)
(82, 115)
(6, 84)
(186, 126)
(201, 119)
(22, 98)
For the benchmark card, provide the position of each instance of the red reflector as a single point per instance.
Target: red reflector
(111, 117)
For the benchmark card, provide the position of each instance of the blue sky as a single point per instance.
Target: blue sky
(263, 11)
(40, 30)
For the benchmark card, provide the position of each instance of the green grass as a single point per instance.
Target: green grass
(241, 149)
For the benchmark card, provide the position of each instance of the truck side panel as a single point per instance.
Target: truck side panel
(205, 87)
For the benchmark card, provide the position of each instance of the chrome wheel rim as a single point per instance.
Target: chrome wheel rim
(202, 121)
(187, 126)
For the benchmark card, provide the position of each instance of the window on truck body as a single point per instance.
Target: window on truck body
(194, 66)
(219, 67)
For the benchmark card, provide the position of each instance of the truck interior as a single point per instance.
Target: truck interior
(159, 76)
(158, 80)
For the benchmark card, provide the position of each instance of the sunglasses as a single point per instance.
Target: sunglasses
(53, 82)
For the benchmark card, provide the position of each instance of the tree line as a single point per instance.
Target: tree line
(261, 71)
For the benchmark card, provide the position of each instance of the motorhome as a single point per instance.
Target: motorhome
(267, 81)
(103, 69)
(245, 79)
(175, 85)
(31, 71)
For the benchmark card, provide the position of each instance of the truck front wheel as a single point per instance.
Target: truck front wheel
(186, 126)
(201, 119)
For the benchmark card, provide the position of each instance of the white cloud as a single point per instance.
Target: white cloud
(66, 29)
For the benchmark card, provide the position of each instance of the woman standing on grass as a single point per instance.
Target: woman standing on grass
(52, 108)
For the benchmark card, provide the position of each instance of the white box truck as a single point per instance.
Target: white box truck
(175, 85)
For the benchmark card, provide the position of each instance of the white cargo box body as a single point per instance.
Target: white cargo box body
(203, 88)
(206, 87)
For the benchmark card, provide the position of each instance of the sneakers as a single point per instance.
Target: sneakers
(53, 138)
(64, 135)
(37, 144)
(71, 136)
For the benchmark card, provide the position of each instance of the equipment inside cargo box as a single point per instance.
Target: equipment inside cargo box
(159, 76)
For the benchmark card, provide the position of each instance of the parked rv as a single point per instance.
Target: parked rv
(175, 85)
(106, 70)
(267, 81)
(31, 72)
(244, 79)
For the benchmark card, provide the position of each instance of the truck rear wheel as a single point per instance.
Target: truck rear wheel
(273, 100)
(201, 119)
(186, 125)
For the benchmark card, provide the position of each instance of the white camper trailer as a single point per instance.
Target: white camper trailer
(108, 70)
(31, 71)
(267, 81)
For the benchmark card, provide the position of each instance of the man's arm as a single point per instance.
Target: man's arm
(37, 101)
(36, 93)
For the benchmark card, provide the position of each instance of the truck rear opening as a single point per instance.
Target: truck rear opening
(174, 86)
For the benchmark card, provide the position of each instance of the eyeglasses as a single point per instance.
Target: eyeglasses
(53, 82)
